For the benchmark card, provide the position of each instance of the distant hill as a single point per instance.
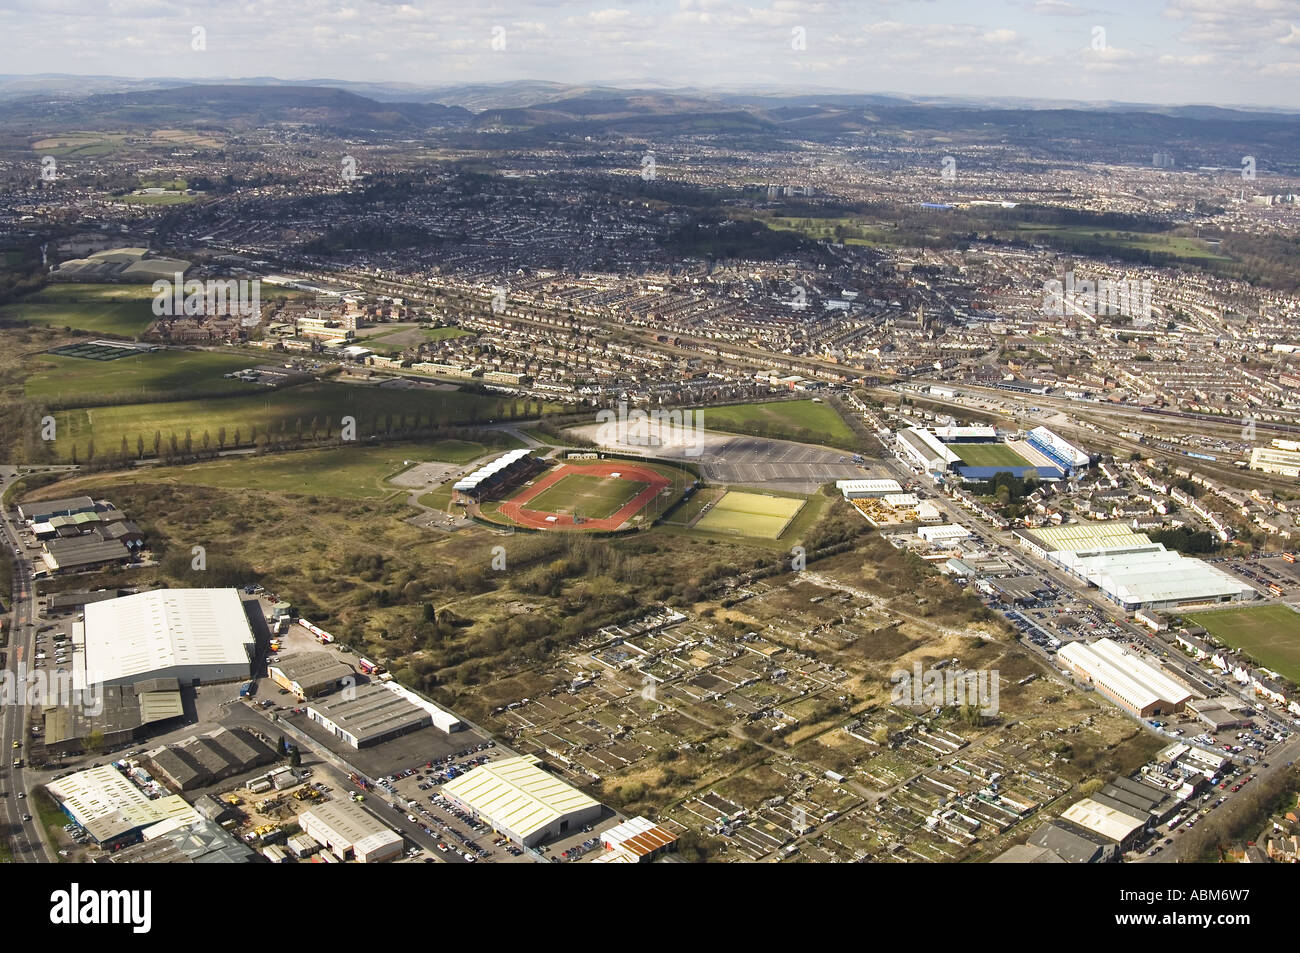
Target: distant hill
(236, 107)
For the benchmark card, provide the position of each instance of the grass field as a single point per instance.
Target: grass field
(988, 455)
(123, 310)
(592, 497)
(801, 420)
(404, 337)
(350, 473)
(750, 514)
(280, 410)
(142, 375)
(1268, 634)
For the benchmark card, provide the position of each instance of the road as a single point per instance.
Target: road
(26, 842)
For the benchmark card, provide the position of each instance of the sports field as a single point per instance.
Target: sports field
(988, 455)
(377, 411)
(350, 473)
(141, 374)
(594, 497)
(1268, 634)
(800, 420)
(605, 495)
(750, 514)
(123, 310)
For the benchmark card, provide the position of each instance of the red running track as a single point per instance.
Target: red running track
(516, 510)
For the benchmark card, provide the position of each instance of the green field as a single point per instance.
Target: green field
(123, 310)
(1268, 634)
(351, 473)
(281, 411)
(750, 514)
(141, 375)
(801, 420)
(591, 497)
(988, 455)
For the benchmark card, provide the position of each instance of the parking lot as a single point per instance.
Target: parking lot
(414, 793)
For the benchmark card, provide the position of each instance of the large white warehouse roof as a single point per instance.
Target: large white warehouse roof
(515, 795)
(1123, 674)
(167, 631)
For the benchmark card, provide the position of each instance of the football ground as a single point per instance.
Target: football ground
(586, 495)
(1268, 634)
(750, 514)
(988, 455)
(593, 496)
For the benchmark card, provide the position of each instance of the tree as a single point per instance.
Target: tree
(94, 741)
(295, 757)
(139, 447)
(281, 748)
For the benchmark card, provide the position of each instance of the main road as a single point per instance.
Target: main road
(24, 838)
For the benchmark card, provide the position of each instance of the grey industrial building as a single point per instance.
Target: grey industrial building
(200, 761)
(311, 674)
(128, 713)
(369, 716)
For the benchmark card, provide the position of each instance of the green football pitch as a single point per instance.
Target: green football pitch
(750, 514)
(988, 455)
(1268, 634)
(591, 497)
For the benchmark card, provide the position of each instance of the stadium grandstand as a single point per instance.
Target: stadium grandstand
(494, 474)
(966, 434)
(1065, 454)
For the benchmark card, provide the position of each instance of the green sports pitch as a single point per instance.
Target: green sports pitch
(750, 514)
(591, 497)
(1268, 634)
(988, 455)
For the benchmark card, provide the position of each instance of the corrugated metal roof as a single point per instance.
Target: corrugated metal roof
(517, 795)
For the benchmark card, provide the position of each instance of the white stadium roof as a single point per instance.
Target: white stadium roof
(491, 469)
(137, 636)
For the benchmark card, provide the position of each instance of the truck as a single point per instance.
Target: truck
(367, 667)
(246, 690)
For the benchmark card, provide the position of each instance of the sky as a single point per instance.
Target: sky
(1228, 52)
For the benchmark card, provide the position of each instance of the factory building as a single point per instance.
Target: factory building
(1122, 676)
(1273, 460)
(867, 489)
(350, 832)
(311, 674)
(196, 636)
(520, 800)
(368, 716)
(641, 839)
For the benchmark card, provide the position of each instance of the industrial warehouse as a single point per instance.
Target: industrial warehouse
(377, 712)
(127, 714)
(1131, 570)
(520, 800)
(196, 636)
(311, 674)
(1125, 678)
(350, 832)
